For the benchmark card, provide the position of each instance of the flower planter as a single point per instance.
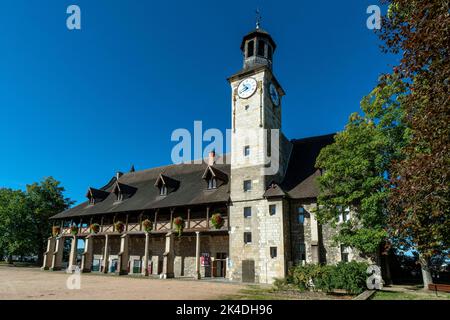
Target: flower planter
(147, 225)
(217, 220)
(56, 230)
(119, 226)
(74, 230)
(94, 228)
(179, 225)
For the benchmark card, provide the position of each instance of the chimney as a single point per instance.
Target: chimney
(212, 156)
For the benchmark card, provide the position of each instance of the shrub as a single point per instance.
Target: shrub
(349, 276)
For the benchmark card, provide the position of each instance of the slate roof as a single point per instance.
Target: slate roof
(299, 183)
(300, 178)
(192, 191)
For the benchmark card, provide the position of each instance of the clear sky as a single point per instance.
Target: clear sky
(82, 105)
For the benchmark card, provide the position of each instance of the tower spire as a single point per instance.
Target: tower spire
(258, 19)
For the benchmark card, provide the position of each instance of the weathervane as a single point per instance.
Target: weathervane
(258, 18)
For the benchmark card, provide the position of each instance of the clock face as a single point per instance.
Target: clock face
(274, 95)
(247, 88)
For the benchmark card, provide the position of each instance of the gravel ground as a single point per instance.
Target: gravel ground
(32, 284)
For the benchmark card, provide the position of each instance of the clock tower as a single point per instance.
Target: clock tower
(258, 159)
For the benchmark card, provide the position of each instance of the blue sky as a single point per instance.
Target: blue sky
(81, 105)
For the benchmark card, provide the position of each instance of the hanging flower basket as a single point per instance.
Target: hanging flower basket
(179, 225)
(94, 228)
(119, 226)
(217, 220)
(147, 225)
(74, 230)
(56, 230)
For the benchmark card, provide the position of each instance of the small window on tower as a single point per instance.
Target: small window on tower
(269, 52)
(250, 48)
(273, 252)
(273, 209)
(246, 151)
(247, 212)
(247, 237)
(261, 45)
(247, 185)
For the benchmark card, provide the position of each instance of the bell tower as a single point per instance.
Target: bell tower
(257, 159)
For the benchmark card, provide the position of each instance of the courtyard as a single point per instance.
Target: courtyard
(34, 284)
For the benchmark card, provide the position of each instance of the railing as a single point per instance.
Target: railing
(193, 224)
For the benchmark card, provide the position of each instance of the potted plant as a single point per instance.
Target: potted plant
(74, 229)
(147, 225)
(179, 225)
(94, 228)
(119, 226)
(217, 220)
(56, 230)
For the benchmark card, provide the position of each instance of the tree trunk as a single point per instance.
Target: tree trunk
(426, 274)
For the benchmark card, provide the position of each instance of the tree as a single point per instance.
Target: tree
(419, 204)
(46, 199)
(16, 228)
(356, 168)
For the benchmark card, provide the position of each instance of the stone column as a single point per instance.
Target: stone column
(57, 254)
(47, 263)
(105, 255)
(73, 254)
(86, 259)
(168, 257)
(123, 255)
(314, 239)
(145, 262)
(197, 256)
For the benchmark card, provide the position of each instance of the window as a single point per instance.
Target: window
(302, 251)
(212, 183)
(246, 107)
(261, 45)
(246, 151)
(119, 196)
(269, 52)
(250, 48)
(343, 216)
(247, 212)
(272, 209)
(273, 252)
(344, 253)
(247, 185)
(301, 215)
(163, 190)
(247, 237)
(91, 200)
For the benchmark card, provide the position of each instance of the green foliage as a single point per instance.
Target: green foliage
(349, 276)
(356, 168)
(24, 216)
(16, 223)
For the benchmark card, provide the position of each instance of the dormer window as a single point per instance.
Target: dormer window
(123, 191)
(214, 178)
(212, 183)
(163, 190)
(95, 195)
(166, 185)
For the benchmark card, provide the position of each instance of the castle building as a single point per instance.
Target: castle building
(245, 216)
